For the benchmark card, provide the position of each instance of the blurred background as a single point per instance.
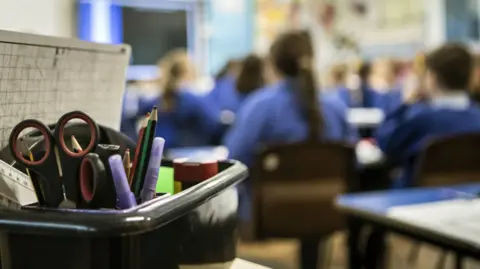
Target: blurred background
(391, 34)
(215, 31)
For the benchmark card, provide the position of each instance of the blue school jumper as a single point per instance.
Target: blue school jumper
(392, 100)
(219, 85)
(272, 115)
(369, 98)
(192, 122)
(225, 95)
(409, 128)
(225, 98)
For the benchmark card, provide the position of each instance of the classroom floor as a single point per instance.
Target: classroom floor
(282, 254)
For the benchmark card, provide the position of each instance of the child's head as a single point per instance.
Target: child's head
(177, 64)
(290, 52)
(293, 58)
(251, 75)
(382, 75)
(418, 64)
(365, 71)
(338, 74)
(231, 67)
(449, 68)
(176, 69)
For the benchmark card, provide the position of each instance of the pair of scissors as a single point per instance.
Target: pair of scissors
(59, 167)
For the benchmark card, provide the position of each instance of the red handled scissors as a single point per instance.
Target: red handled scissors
(59, 167)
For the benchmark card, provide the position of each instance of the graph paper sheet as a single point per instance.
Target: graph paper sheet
(44, 77)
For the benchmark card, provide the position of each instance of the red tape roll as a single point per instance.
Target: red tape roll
(186, 170)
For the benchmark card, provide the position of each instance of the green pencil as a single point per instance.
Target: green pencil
(144, 152)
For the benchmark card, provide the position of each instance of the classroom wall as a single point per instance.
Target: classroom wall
(46, 17)
(435, 22)
(230, 30)
(378, 34)
(388, 28)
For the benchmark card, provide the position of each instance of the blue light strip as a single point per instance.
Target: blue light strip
(100, 21)
(116, 24)
(84, 25)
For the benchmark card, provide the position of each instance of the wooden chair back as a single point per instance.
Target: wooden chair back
(294, 187)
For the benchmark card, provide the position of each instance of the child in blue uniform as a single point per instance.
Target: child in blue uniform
(364, 96)
(444, 109)
(289, 111)
(184, 119)
(230, 68)
(231, 92)
(224, 78)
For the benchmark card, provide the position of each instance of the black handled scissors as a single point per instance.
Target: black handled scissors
(59, 166)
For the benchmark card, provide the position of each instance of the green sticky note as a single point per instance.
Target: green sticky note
(165, 180)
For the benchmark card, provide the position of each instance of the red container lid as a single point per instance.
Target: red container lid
(194, 170)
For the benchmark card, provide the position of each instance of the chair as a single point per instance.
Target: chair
(447, 161)
(294, 187)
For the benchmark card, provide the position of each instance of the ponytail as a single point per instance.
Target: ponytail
(250, 77)
(172, 78)
(174, 67)
(292, 55)
(308, 98)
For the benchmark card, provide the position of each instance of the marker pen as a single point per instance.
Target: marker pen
(151, 177)
(125, 197)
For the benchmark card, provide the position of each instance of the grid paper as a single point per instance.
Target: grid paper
(45, 77)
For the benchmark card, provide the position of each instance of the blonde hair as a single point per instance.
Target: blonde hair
(382, 73)
(338, 74)
(174, 67)
(419, 64)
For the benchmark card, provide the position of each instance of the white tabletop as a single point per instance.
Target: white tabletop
(367, 153)
(365, 117)
(454, 218)
(219, 152)
(236, 264)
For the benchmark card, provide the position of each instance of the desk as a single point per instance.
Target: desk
(372, 208)
(236, 264)
(218, 152)
(365, 117)
(366, 152)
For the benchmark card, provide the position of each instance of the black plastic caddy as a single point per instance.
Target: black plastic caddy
(162, 233)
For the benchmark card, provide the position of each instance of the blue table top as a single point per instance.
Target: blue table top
(379, 202)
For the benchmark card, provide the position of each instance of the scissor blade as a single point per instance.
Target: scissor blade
(59, 164)
(24, 148)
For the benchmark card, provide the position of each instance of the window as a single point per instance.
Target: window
(152, 33)
(462, 20)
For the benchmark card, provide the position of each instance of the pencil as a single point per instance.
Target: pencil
(137, 149)
(75, 145)
(145, 152)
(36, 185)
(126, 162)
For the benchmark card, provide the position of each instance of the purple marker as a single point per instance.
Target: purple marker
(151, 177)
(125, 197)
